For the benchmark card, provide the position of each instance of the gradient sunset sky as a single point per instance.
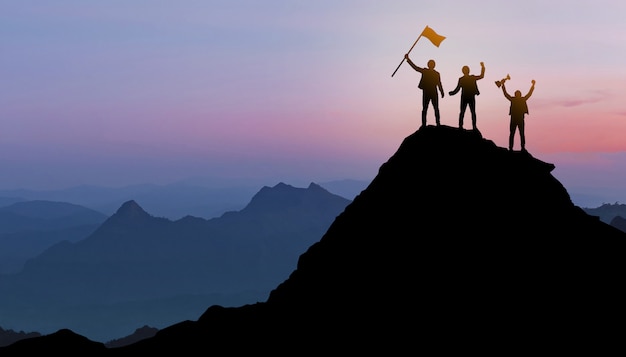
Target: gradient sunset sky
(122, 92)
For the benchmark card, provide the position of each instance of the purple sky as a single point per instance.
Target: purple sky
(122, 92)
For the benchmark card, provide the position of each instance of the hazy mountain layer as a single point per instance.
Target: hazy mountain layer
(27, 228)
(137, 269)
(456, 246)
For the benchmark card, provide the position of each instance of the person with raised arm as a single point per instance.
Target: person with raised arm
(517, 111)
(469, 90)
(430, 83)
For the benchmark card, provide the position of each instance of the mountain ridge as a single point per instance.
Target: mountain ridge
(135, 256)
(456, 245)
(27, 228)
(397, 273)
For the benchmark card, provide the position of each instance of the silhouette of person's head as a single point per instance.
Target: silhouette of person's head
(518, 93)
(465, 70)
(431, 64)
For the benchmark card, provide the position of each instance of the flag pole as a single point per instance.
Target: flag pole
(410, 49)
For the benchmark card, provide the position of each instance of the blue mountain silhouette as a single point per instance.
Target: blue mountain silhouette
(136, 257)
(457, 246)
(27, 228)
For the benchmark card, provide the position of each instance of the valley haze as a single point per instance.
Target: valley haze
(208, 198)
(194, 197)
(135, 268)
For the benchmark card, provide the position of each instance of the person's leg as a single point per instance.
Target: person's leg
(472, 105)
(511, 134)
(435, 101)
(522, 136)
(462, 112)
(425, 101)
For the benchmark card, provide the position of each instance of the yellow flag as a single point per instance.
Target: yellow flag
(434, 37)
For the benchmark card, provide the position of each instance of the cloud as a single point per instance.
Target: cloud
(571, 102)
(576, 102)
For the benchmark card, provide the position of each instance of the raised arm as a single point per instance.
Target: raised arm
(532, 89)
(482, 70)
(415, 67)
(504, 91)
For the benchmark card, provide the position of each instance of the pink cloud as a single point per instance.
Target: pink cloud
(578, 131)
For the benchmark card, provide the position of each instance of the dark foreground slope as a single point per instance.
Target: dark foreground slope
(456, 245)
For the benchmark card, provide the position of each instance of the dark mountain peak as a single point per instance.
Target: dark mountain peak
(438, 147)
(282, 186)
(131, 209)
(282, 195)
(315, 187)
(450, 222)
(455, 239)
(279, 188)
(129, 214)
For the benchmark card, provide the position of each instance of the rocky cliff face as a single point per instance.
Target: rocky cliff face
(456, 245)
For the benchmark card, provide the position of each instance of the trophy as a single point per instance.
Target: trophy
(499, 83)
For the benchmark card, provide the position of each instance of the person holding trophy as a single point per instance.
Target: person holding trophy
(517, 111)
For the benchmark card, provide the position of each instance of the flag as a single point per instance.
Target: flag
(434, 37)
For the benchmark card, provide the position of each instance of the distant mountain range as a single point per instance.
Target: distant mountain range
(608, 211)
(611, 213)
(136, 269)
(172, 201)
(27, 228)
(456, 246)
(139, 334)
(8, 337)
(45, 215)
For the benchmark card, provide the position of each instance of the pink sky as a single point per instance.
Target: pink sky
(119, 93)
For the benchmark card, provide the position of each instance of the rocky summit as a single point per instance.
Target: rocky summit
(457, 245)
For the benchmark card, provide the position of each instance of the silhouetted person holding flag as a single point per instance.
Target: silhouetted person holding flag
(469, 90)
(429, 84)
(517, 111)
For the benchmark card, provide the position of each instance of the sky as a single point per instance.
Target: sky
(123, 92)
